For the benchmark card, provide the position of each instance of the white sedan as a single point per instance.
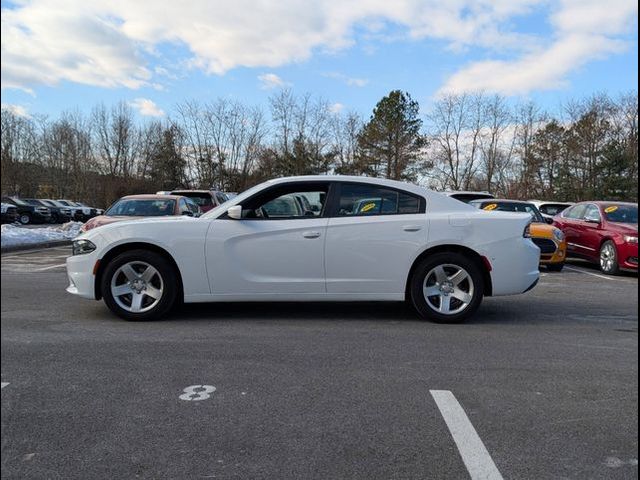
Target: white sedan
(316, 238)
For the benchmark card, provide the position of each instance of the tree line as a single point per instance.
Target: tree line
(588, 149)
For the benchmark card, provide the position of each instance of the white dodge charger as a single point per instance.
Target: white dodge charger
(316, 238)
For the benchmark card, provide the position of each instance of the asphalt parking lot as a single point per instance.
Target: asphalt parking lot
(540, 386)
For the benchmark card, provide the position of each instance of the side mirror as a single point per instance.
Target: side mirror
(235, 212)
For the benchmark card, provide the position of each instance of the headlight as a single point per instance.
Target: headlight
(558, 234)
(82, 247)
(631, 239)
(527, 231)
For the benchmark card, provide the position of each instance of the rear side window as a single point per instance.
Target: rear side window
(366, 200)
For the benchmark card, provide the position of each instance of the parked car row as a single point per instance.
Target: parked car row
(40, 210)
(602, 232)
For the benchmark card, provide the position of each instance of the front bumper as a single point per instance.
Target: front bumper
(628, 256)
(80, 274)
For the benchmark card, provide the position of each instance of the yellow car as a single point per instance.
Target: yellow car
(550, 240)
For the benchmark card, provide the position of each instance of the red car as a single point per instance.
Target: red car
(139, 206)
(602, 232)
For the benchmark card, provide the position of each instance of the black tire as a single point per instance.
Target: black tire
(608, 249)
(166, 272)
(54, 218)
(25, 219)
(447, 259)
(555, 267)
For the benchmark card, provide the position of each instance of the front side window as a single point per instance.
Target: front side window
(366, 200)
(288, 202)
(592, 213)
(575, 213)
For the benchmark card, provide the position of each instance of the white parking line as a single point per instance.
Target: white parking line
(573, 269)
(4, 384)
(50, 267)
(473, 452)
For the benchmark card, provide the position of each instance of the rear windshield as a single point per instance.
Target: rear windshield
(468, 197)
(553, 208)
(621, 213)
(512, 207)
(142, 208)
(202, 199)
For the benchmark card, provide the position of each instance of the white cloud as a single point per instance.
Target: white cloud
(115, 43)
(147, 108)
(585, 30)
(270, 81)
(18, 110)
(336, 107)
(350, 81)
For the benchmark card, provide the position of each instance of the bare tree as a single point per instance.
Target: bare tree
(456, 124)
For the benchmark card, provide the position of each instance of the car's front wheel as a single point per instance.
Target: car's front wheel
(447, 287)
(609, 258)
(25, 219)
(139, 285)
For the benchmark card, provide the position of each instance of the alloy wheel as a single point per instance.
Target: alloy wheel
(137, 287)
(607, 257)
(448, 289)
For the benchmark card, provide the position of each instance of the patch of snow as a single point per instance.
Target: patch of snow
(13, 235)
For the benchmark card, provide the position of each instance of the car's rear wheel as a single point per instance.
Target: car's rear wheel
(139, 285)
(609, 258)
(25, 219)
(555, 267)
(447, 287)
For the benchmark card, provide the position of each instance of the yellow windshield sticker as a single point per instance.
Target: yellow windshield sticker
(367, 207)
(491, 206)
(611, 209)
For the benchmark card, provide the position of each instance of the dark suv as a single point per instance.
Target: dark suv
(58, 214)
(28, 213)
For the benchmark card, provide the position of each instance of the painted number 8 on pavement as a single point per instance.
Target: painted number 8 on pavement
(195, 393)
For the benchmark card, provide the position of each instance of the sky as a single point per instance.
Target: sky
(61, 55)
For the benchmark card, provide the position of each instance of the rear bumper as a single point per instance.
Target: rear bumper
(514, 267)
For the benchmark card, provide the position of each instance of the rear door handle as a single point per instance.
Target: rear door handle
(311, 234)
(412, 228)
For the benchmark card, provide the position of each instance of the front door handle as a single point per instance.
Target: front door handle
(412, 228)
(311, 234)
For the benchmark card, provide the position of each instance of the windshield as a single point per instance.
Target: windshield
(553, 209)
(514, 207)
(621, 213)
(34, 202)
(142, 208)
